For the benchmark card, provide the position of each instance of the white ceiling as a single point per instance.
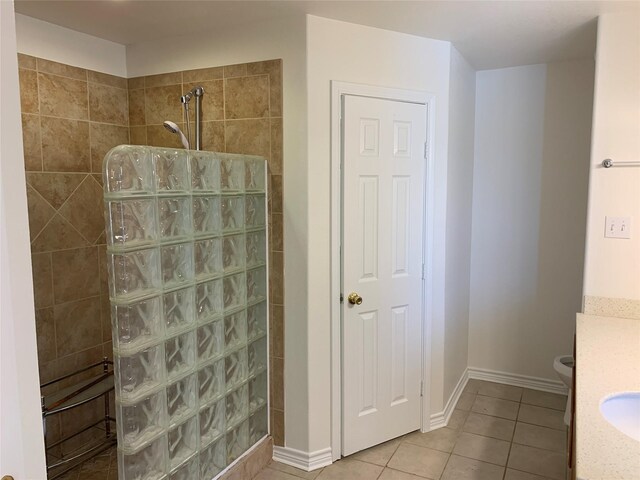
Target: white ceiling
(490, 34)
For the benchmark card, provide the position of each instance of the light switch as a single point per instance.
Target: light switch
(617, 227)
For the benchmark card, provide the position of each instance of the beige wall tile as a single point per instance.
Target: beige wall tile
(277, 236)
(239, 70)
(108, 104)
(212, 101)
(47, 66)
(77, 325)
(31, 142)
(246, 97)
(42, 279)
(275, 161)
(277, 427)
(84, 210)
(173, 78)
(39, 211)
(45, 334)
(258, 459)
(103, 138)
(62, 97)
(57, 235)
(277, 379)
(105, 318)
(276, 193)
(26, 61)
(55, 188)
(135, 82)
(213, 136)
(106, 79)
(65, 145)
(76, 276)
(276, 331)
(274, 69)
(163, 103)
(136, 107)
(202, 74)
(138, 135)
(28, 91)
(251, 137)
(276, 284)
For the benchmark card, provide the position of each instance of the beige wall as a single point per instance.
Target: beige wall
(241, 113)
(70, 117)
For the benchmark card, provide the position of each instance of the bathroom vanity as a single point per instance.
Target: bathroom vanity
(607, 363)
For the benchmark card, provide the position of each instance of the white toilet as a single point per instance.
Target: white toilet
(563, 365)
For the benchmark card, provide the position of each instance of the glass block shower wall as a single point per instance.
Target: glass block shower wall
(186, 236)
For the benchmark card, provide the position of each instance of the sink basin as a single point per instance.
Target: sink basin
(622, 410)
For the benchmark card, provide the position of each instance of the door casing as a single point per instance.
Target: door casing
(338, 89)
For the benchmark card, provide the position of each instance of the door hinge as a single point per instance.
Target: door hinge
(341, 298)
(422, 389)
(426, 150)
(423, 271)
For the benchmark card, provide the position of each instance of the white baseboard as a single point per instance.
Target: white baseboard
(303, 460)
(441, 419)
(534, 383)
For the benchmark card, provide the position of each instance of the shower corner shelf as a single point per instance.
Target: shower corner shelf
(73, 396)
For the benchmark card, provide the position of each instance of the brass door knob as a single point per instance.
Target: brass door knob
(354, 299)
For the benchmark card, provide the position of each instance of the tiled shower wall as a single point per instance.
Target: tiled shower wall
(71, 118)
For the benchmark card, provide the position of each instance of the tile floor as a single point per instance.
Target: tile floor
(496, 432)
(103, 466)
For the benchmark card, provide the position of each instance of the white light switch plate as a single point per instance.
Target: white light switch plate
(617, 227)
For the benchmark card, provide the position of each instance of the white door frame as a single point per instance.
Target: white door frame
(338, 89)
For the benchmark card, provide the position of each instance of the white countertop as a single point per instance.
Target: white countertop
(608, 362)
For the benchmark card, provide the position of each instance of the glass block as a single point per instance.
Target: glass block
(211, 381)
(234, 291)
(257, 356)
(258, 391)
(179, 309)
(210, 341)
(254, 216)
(207, 258)
(257, 320)
(187, 471)
(180, 354)
(213, 459)
(128, 171)
(256, 248)
(181, 399)
(150, 463)
(237, 441)
(131, 222)
(209, 300)
(183, 442)
(236, 368)
(141, 422)
(212, 420)
(235, 330)
(232, 212)
(237, 406)
(174, 218)
(138, 374)
(254, 174)
(258, 425)
(256, 285)
(206, 215)
(136, 324)
(172, 170)
(233, 253)
(176, 264)
(134, 274)
(231, 174)
(205, 172)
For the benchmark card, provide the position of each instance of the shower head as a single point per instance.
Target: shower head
(173, 128)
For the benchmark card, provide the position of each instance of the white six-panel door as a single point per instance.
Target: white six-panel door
(382, 255)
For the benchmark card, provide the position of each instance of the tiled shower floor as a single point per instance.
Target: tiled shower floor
(496, 432)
